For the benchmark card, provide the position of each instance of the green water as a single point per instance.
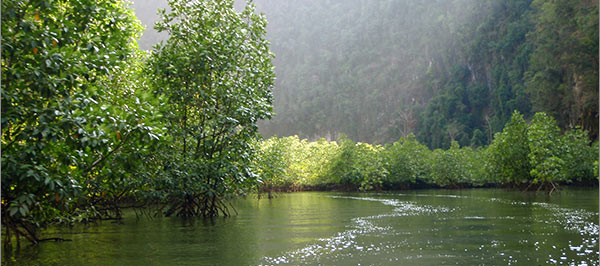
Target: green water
(426, 227)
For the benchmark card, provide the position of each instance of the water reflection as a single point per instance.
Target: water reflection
(499, 232)
(467, 227)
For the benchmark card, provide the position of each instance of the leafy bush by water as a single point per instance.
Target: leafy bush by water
(524, 155)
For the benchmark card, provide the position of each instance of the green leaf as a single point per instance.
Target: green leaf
(13, 211)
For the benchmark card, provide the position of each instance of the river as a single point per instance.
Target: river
(421, 227)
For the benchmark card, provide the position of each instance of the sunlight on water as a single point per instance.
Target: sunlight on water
(424, 227)
(575, 220)
(357, 241)
(578, 221)
(345, 244)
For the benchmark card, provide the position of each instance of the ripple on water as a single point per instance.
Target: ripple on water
(575, 220)
(582, 251)
(344, 244)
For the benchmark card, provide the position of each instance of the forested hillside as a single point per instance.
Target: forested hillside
(444, 69)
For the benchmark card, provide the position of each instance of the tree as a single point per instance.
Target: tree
(405, 161)
(216, 73)
(478, 139)
(563, 75)
(449, 168)
(408, 121)
(59, 62)
(579, 156)
(453, 129)
(508, 154)
(272, 165)
(546, 154)
(357, 165)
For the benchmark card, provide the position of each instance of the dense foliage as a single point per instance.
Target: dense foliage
(91, 125)
(527, 155)
(69, 108)
(444, 70)
(215, 73)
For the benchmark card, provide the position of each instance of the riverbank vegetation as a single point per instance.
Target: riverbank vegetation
(92, 125)
(532, 155)
(444, 70)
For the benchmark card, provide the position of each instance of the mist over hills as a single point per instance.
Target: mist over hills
(146, 12)
(443, 70)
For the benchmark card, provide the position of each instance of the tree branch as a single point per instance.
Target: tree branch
(102, 158)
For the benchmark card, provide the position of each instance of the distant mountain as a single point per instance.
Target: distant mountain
(443, 70)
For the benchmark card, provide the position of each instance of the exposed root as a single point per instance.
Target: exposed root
(553, 189)
(548, 186)
(193, 205)
(527, 188)
(540, 187)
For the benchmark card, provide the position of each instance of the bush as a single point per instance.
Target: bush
(448, 168)
(356, 164)
(520, 155)
(405, 161)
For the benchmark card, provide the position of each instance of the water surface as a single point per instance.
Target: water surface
(425, 227)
